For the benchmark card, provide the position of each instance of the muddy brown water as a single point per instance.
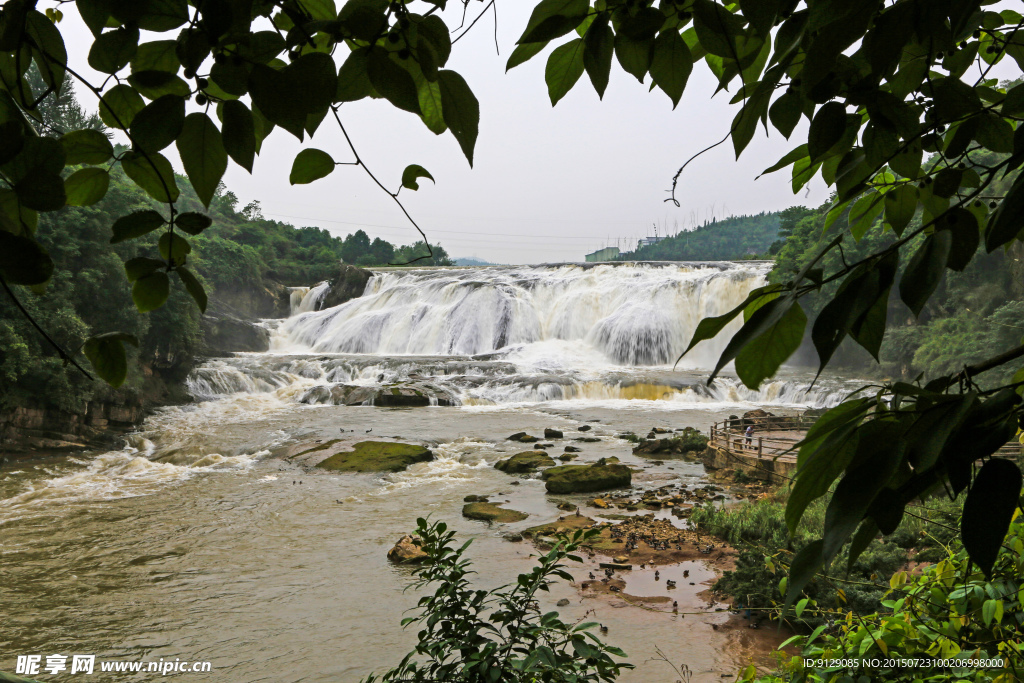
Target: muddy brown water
(199, 546)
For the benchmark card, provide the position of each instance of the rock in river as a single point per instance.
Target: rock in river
(552, 433)
(527, 461)
(523, 437)
(375, 456)
(408, 551)
(586, 478)
(489, 512)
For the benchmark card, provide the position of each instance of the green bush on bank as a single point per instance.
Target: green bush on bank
(950, 612)
(758, 529)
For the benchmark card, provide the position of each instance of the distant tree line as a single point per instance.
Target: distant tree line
(731, 239)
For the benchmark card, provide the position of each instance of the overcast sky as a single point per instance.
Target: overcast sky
(549, 184)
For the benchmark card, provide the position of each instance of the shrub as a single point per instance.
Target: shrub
(476, 636)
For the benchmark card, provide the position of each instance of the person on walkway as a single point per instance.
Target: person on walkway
(749, 434)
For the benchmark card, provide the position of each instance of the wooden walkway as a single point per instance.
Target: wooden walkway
(775, 438)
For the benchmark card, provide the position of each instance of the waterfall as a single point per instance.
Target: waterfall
(306, 299)
(630, 314)
(513, 335)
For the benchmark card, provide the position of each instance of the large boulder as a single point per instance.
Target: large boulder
(224, 333)
(585, 478)
(347, 284)
(688, 440)
(523, 437)
(373, 456)
(489, 512)
(408, 551)
(552, 433)
(527, 461)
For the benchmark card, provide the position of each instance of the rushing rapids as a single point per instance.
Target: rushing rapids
(511, 335)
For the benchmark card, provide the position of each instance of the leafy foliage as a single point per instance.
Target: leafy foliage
(470, 635)
(249, 68)
(949, 611)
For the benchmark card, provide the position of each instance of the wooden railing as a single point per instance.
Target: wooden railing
(729, 435)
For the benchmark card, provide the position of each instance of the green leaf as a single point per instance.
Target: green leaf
(461, 110)
(238, 133)
(805, 565)
(827, 128)
(760, 13)
(153, 173)
(785, 112)
(193, 286)
(86, 147)
(524, 53)
(174, 248)
(41, 190)
(824, 453)
(287, 97)
(353, 79)
(157, 55)
(202, 154)
(634, 56)
(191, 222)
(159, 123)
(141, 266)
(86, 186)
(107, 355)
(564, 68)
(433, 30)
(119, 106)
(900, 206)
(150, 291)
(671, 65)
(136, 224)
(879, 452)
(925, 270)
(429, 93)
(393, 82)
(553, 18)
(988, 510)
(962, 224)
(709, 328)
(599, 45)
(411, 173)
(155, 84)
(863, 214)
(1008, 220)
(23, 261)
(745, 123)
(761, 357)
(112, 51)
(48, 39)
(861, 540)
(309, 165)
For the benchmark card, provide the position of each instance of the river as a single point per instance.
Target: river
(195, 542)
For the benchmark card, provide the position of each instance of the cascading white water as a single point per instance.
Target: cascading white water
(630, 314)
(512, 335)
(306, 299)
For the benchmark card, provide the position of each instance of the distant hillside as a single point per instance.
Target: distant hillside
(471, 261)
(733, 238)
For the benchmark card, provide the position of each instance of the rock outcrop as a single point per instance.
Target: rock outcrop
(489, 512)
(405, 394)
(527, 461)
(599, 476)
(349, 283)
(408, 551)
(523, 437)
(371, 456)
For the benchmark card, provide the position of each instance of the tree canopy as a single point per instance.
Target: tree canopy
(920, 143)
